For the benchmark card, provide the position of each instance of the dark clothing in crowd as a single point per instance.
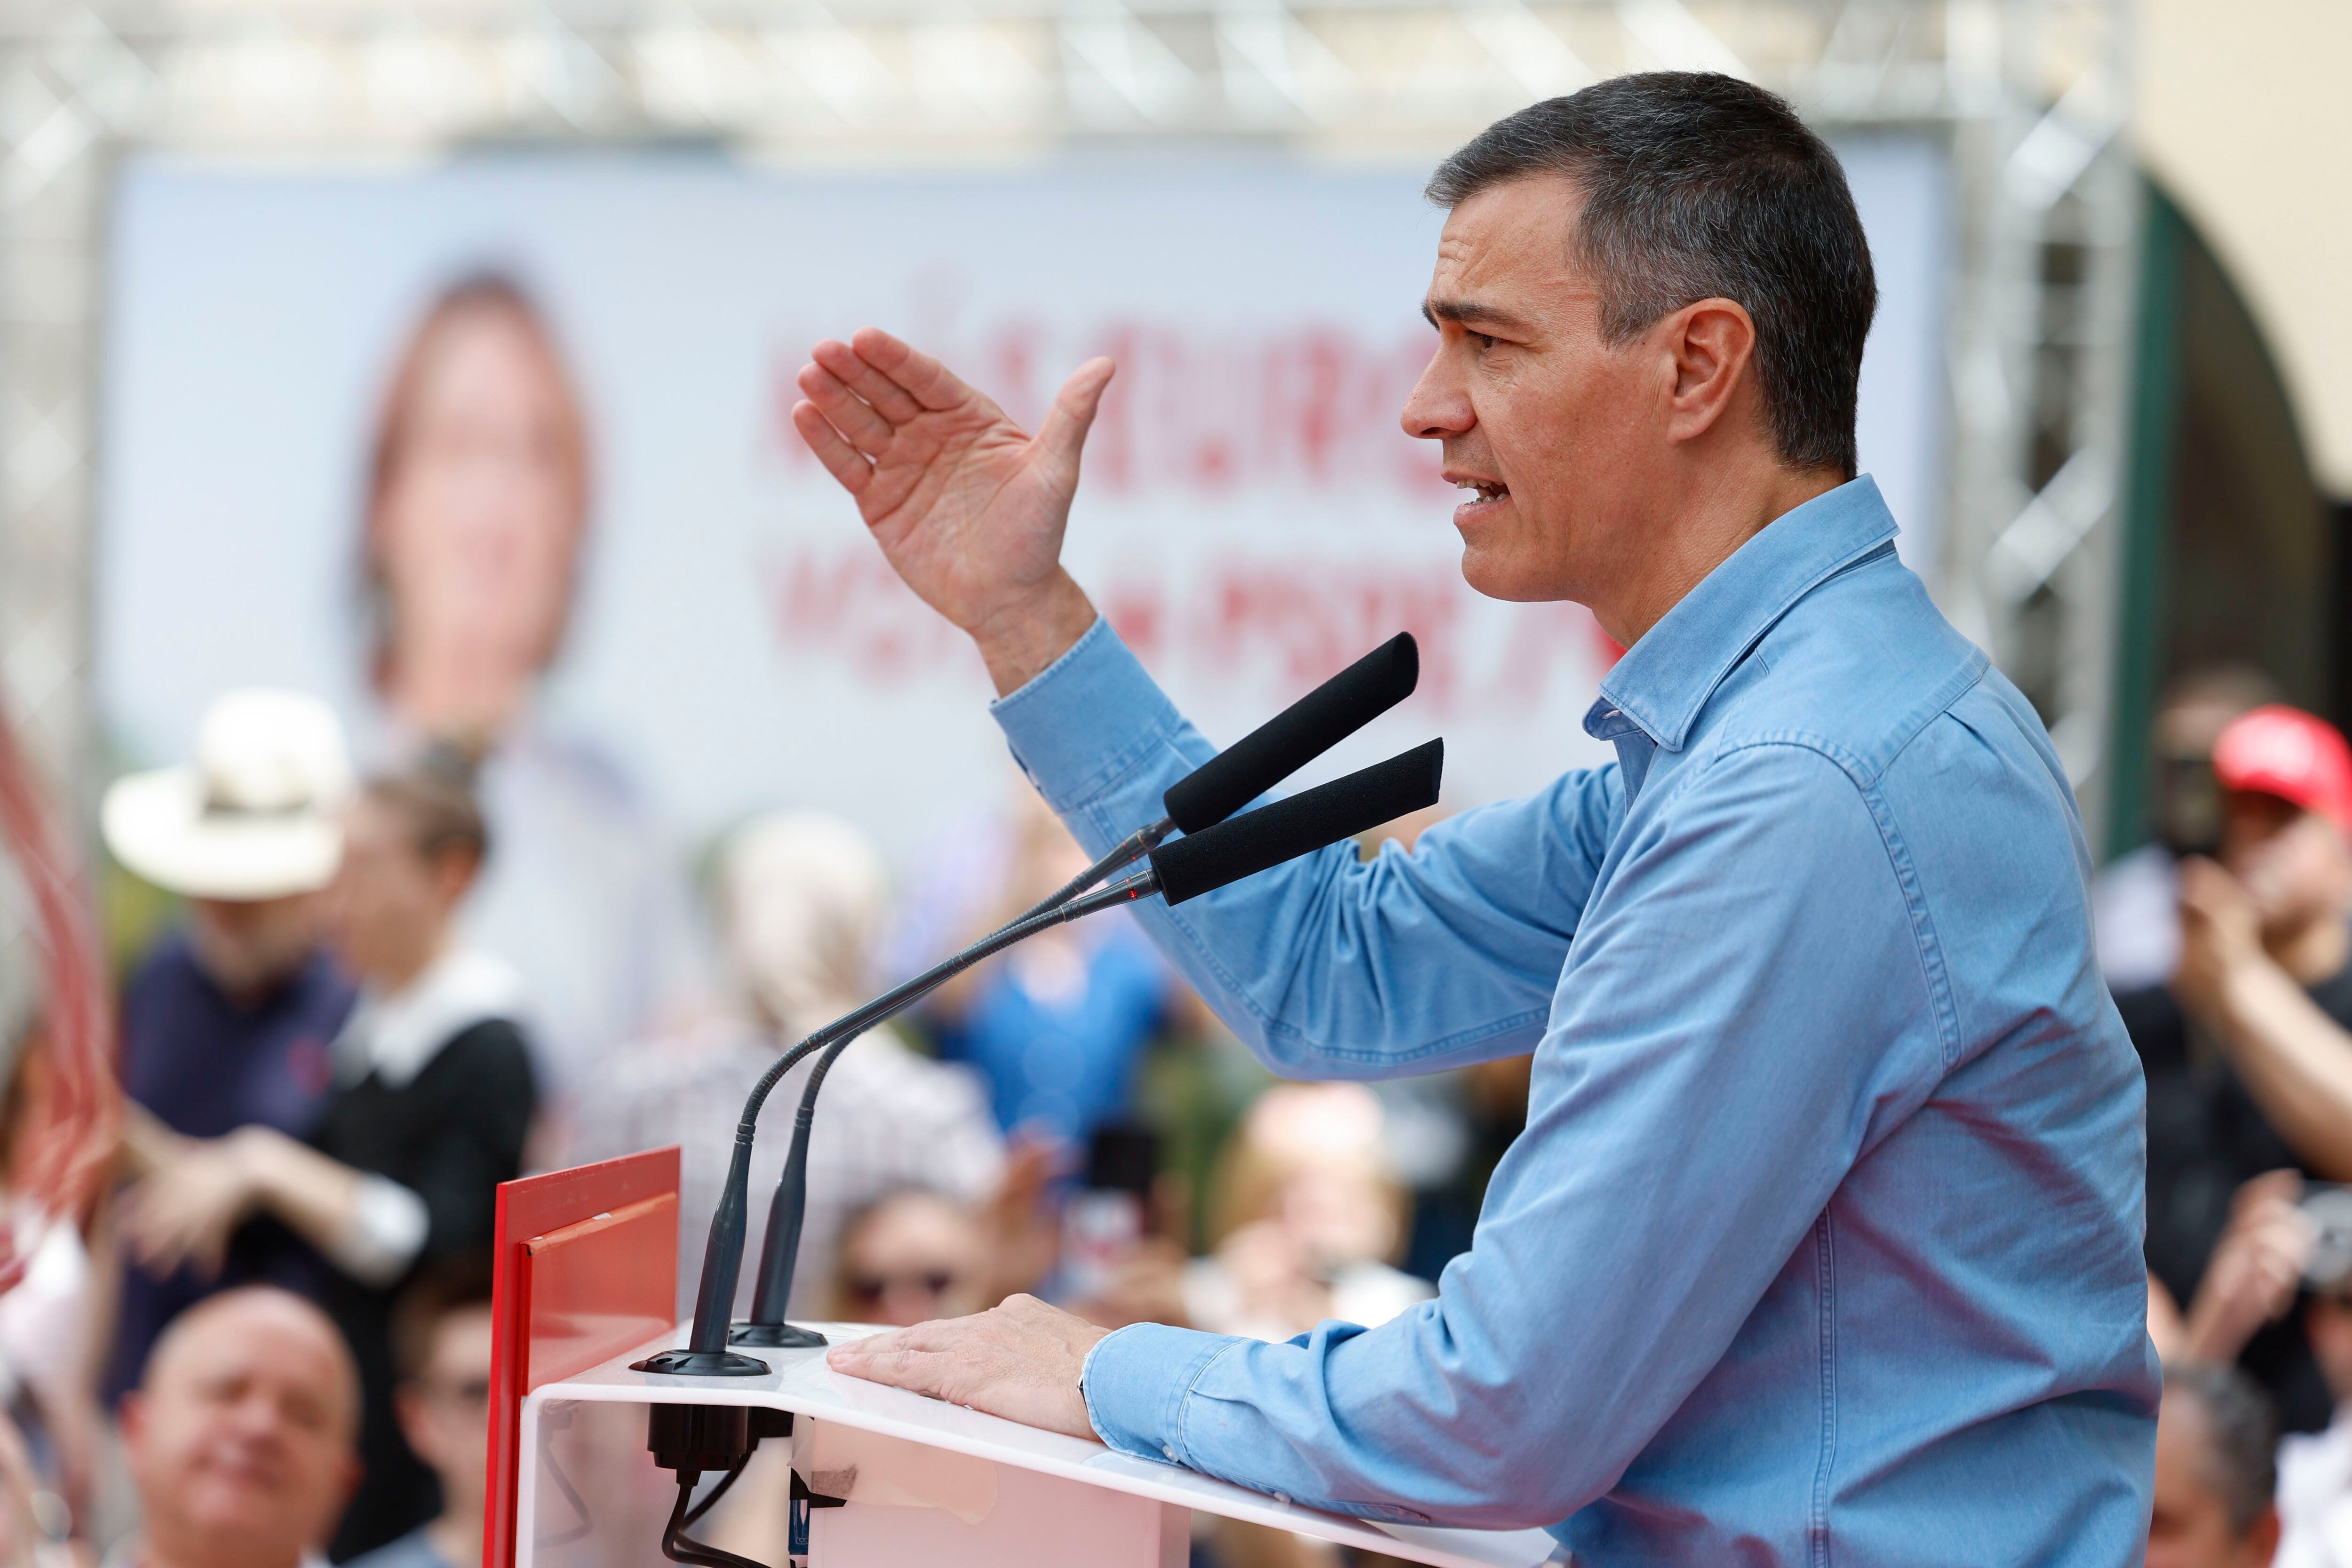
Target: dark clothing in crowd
(450, 1135)
(2206, 1138)
(206, 1064)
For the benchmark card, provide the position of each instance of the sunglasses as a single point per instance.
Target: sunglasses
(874, 1286)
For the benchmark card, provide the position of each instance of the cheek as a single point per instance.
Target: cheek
(1554, 420)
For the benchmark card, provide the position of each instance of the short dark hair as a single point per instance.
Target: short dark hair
(2240, 1463)
(457, 1283)
(1700, 186)
(439, 811)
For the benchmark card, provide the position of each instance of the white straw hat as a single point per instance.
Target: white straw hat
(256, 818)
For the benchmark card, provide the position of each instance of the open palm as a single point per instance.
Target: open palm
(967, 508)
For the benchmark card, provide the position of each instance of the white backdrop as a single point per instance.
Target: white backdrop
(1251, 515)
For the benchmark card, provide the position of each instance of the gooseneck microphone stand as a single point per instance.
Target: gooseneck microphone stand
(1203, 799)
(705, 1353)
(1214, 850)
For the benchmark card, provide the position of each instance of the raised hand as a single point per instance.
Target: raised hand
(967, 508)
(2256, 1268)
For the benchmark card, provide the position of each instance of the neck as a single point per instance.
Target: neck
(393, 978)
(1717, 513)
(456, 1535)
(2313, 952)
(462, 695)
(153, 1553)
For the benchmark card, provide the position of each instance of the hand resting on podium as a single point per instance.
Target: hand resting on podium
(1021, 1360)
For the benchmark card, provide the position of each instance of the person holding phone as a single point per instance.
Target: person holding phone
(2248, 1050)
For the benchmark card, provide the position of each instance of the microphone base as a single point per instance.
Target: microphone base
(702, 1363)
(775, 1336)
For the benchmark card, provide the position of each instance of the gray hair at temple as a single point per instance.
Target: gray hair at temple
(2240, 1463)
(1700, 186)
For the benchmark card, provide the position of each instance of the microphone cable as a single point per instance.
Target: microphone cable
(677, 1548)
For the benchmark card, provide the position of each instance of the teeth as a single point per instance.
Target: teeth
(1485, 491)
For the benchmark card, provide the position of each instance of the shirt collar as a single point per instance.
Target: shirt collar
(397, 1035)
(1664, 681)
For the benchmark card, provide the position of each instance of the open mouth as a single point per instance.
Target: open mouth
(1483, 489)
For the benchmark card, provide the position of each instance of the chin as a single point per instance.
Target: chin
(1495, 575)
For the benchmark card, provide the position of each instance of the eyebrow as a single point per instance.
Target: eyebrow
(1467, 313)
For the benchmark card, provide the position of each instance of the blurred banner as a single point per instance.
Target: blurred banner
(308, 468)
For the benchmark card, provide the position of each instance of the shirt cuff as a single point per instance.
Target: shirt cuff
(1136, 1381)
(386, 1232)
(1087, 720)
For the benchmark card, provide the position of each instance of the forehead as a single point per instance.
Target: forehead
(368, 822)
(462, 1337)
(912, 1222)
(260, 1345)
(1519, 234)
(482, 339)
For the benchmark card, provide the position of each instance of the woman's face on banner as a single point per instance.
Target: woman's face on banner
(479, 522)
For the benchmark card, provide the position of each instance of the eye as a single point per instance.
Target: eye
(1483, 340)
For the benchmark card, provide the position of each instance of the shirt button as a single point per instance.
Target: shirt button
(1169, 1449)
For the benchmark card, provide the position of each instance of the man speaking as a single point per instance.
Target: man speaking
(1823, 1244)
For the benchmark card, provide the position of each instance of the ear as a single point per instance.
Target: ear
(410, 1412)
(1710, 345)
(2262, 1538)
(453, 873)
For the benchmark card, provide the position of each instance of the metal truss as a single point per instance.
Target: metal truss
(2030, 92)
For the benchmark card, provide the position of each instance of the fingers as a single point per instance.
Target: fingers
(1063, 433)
(887, 398)
(2269, 1187)
(2206, 889)
(842, 460)
(938, 1334)
(853, 417)
(891, 1360)
(925, 379)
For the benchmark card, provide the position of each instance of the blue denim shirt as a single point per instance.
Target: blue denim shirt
(1823, 1244)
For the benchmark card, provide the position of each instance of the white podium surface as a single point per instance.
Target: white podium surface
(929, 1482)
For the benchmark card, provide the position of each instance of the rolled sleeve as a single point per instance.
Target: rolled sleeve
(1136, 1381)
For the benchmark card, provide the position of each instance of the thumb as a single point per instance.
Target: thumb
(1063, 433)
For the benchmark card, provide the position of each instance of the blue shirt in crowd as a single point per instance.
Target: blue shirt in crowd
(1823, 1244)
(207, 1064)
(1063, 1058)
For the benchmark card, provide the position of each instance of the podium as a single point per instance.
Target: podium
(919, 1482)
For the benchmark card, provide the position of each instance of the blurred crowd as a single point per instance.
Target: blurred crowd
(2228, 944)
(274, 1337)
(391, 963)
(372, 965)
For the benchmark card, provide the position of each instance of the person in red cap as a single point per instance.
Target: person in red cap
(2248, 1051)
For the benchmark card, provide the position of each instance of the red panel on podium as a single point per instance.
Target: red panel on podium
(587, 1267)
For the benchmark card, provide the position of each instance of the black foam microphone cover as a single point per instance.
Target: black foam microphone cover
(1285, 829)
(1295, 736)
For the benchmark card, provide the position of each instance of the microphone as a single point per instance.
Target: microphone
(1218, 854)
(1295, 736)
(1266, 755)
(1283, 830)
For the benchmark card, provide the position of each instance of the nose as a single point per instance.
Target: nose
(1440, 404)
